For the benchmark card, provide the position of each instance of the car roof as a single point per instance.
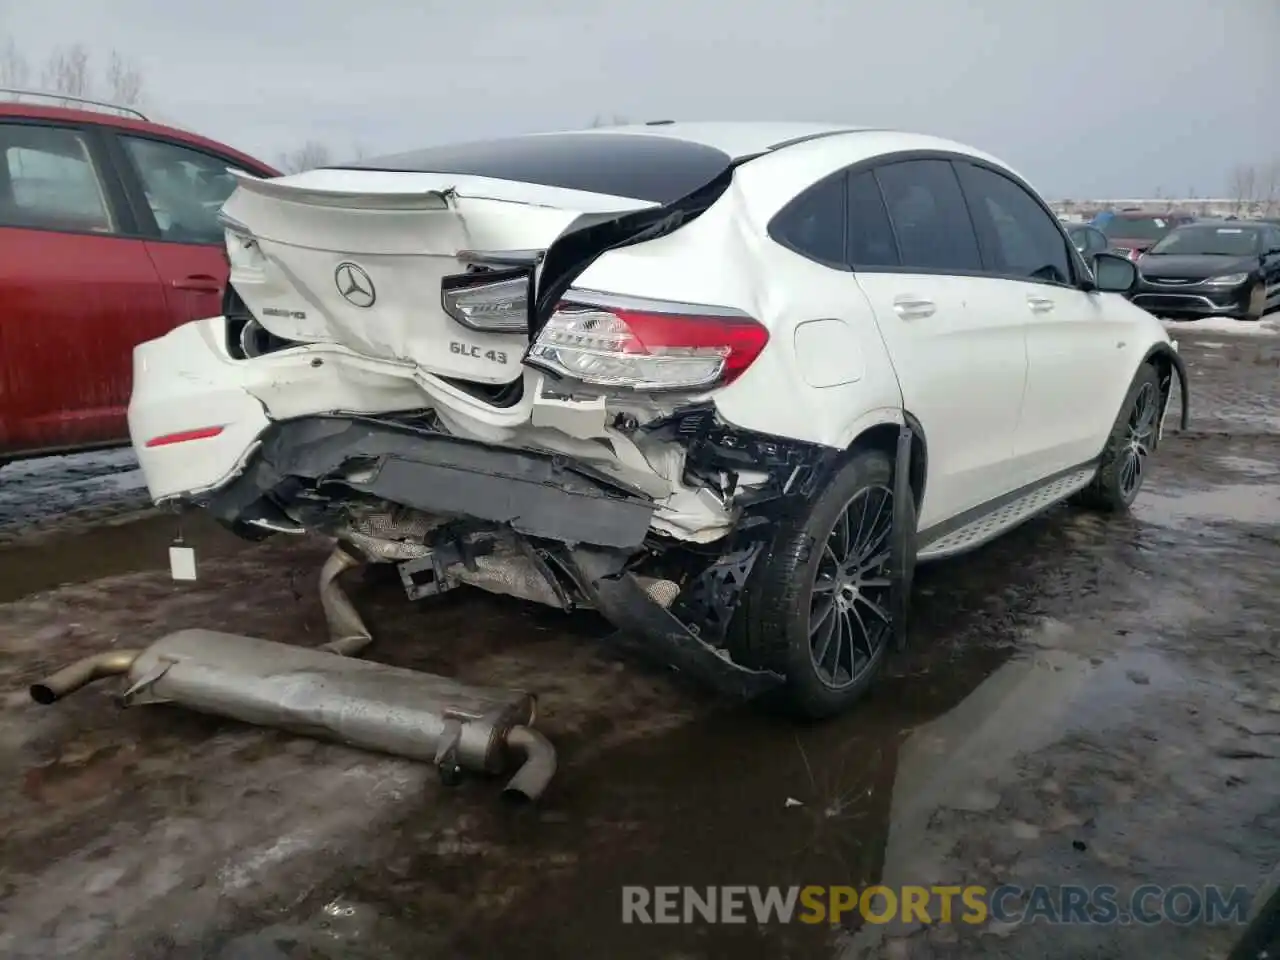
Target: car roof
(657, 162)
(1232, 224)
(737, 138)
(31, 111)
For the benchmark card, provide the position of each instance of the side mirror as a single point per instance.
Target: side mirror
(1113, 273)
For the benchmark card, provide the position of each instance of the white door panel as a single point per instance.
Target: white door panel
(1079, 368)
(960, 356)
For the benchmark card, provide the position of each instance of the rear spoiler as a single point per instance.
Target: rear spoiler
(343, 199)
(552, 271)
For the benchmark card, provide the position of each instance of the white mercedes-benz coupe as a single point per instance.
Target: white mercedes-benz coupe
(725, 383)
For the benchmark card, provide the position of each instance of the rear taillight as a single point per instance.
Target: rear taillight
(646, 345)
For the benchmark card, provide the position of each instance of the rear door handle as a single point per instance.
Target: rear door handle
(1040, 304)
(910, 307)
(199, 281)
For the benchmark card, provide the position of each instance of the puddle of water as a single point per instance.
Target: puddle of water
(1249, 466)
(1239, 503)
(104, 551)
(1024, 706)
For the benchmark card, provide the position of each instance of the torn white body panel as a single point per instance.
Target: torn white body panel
(318, 262)
(243, 399)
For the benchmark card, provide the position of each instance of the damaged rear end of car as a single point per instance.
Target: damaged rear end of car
(459, 374)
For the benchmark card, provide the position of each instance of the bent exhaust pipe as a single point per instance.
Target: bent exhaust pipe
(328, 694)
(320, 694)
(71, 678)
(347, 631)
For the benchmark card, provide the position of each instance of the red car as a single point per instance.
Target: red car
(108, 237)
(1131, 233)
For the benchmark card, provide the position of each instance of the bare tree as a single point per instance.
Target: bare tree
(1243, 186)
(15, 71)
(600, 120)
(67, 71)
(1269, 192)
(124, 81)
(310, 155)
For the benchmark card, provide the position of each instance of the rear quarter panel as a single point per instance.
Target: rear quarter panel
(725, 258)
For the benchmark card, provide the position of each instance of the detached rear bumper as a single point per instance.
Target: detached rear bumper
(537, 494)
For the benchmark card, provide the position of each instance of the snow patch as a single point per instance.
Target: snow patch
(1255, 328)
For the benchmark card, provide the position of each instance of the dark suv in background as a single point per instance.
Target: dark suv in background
(1132, 232)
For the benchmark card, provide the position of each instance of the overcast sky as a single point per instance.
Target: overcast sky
(1088, 98)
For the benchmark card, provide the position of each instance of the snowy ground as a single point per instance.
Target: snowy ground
(1267, 327)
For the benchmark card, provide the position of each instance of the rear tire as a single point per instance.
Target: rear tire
(819, 607)
(1125, 456)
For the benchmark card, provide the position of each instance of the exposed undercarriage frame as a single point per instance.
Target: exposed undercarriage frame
(538, 525)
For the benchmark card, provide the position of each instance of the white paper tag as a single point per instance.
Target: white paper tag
(182, 563)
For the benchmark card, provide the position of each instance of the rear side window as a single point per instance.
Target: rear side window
(48, 181)
(813, 225)
(870, 241)
(929, 218)
(1018, 237)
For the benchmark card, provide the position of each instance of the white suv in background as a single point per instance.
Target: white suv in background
(727, 383)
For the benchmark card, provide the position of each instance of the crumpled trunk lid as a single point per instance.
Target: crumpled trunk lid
(363, 268)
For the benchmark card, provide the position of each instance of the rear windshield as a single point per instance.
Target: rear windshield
(1211, 242)
(1137, 228)
(652, 169)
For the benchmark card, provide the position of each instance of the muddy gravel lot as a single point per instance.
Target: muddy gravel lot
(1089, 700)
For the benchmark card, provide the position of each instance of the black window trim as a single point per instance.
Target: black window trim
(1081, 277)
(134, 189)
(126, 225)
(884, 208)
(1073, 281)
(778, 220)
(964, 200)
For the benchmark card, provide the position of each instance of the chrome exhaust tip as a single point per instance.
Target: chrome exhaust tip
(539, 766)
(72, 677)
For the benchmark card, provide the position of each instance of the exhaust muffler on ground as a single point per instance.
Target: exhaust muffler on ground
(328, 694)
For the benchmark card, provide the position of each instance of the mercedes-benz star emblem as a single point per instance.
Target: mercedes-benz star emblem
(354, 285)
